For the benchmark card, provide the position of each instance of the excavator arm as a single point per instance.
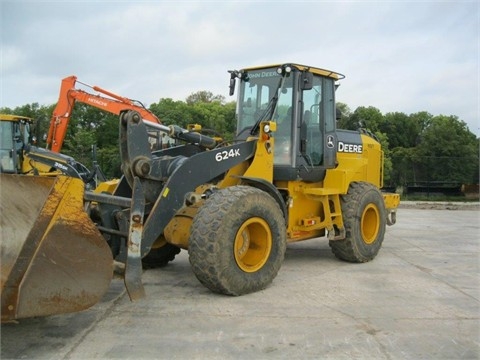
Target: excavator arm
(69, 94)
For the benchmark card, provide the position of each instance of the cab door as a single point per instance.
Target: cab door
(329, 123)
(318, 137)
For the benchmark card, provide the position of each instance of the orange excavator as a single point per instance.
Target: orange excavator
(69, 94)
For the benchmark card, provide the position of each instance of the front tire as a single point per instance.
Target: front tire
(364, 218)
(238, 241)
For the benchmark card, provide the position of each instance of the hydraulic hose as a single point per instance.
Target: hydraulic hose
(191, 137)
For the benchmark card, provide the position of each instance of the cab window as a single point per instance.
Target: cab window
(313, 122)
(6, 146)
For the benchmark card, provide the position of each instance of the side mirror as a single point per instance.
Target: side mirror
(233, 78)
(306, 80)
(232, 85)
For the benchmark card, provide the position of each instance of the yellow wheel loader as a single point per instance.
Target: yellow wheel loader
(288, 175)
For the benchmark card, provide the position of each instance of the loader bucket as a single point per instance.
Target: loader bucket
(53, 258)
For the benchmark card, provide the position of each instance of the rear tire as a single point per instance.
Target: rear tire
(364, 218)
(238, 241)
(160, 256)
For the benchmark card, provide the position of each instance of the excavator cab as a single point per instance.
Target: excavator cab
(302, 102)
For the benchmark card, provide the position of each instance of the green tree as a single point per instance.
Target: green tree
(204, 97)
(447, 152)
(109, 161)
(403, 168)
(216, 117)
(417, 147)
(421, 120)
(107, 131)
(387, 161)
(80, 146)
(172, 112)
(368, 118)
(201, 108)
(29, 110)
(400, 129)
(404, 130)
(345, 114)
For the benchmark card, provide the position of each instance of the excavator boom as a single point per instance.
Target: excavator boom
(69, 95)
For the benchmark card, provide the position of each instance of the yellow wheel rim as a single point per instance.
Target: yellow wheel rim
(370, 223)
(253, 244)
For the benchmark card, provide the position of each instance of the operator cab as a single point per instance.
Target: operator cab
(14, 135)
(302, 101)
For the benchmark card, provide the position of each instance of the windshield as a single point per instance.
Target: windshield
(265, 95)
(6, 138)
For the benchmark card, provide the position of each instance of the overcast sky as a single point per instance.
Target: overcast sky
(404, 56)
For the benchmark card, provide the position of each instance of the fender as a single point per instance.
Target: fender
(270, 189)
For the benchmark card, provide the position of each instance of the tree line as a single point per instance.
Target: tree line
(418, 147)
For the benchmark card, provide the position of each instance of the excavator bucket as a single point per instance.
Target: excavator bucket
(53, 258)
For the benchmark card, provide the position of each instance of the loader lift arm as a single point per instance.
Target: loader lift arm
(69, 95)
(161, 182)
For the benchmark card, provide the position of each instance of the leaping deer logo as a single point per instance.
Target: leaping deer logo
(330, 142)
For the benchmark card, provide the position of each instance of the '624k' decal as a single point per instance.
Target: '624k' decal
(224, 155)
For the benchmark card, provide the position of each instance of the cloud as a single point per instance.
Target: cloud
(397, 56)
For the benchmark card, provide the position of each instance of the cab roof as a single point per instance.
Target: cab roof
(314, 70)
(10, 117)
